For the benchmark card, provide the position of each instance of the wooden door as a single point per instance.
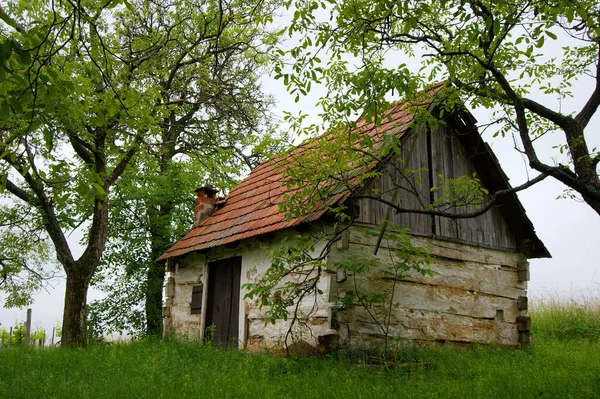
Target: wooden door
(223, 301)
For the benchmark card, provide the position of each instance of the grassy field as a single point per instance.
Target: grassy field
(564, 362)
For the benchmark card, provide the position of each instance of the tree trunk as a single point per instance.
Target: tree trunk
(154, 287)
(160, 224)
(593, 203)
(74, 315)
(160, 233)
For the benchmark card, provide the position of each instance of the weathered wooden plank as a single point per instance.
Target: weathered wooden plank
(523, 270)
(523, 323)
(447, 249)
(444, 227)
(452, 161)
(414, 152)
(426, 325)
(412, 157)
(170, 287)
(435, 298)
(488, 279)
(449, 159)
(223, 300)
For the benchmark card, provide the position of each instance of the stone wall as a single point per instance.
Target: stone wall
(476, 294)
(178, 293)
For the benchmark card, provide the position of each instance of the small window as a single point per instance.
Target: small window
(197, 299)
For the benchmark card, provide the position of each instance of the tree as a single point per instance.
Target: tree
(492, 54)
(75, 120)
(80, 105)
(23, 263)
(215, 126)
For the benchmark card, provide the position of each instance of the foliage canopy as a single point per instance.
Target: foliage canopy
(88, 87)
(497, 55)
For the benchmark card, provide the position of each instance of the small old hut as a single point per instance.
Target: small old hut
(477, 291)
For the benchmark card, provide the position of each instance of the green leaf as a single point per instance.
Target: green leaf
(98, 190)
(81, 189)
(6, 18)
(496, 27)
(129, 6)
(25, 57)
(100, 119)
(113, 4)
(48, 139)
(35, 124)
(540, 42)
(4, 108)
(16, 105)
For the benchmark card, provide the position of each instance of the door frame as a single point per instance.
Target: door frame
(205, 298)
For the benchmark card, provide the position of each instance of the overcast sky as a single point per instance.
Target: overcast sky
(568, 228)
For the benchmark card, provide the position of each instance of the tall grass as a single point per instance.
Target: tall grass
(152, 369)
(557, 317)
(564, 362)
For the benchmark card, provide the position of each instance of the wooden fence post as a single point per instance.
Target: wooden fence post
(9, 338)
(28, 328)
(52, 341)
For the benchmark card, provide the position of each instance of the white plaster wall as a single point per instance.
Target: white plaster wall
(187, 273)
(252, 329)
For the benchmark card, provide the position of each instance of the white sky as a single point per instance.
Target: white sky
(567, 227)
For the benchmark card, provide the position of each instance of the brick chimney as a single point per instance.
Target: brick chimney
(205, 203)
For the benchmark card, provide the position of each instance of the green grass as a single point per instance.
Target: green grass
(558, 318)
(564, 362)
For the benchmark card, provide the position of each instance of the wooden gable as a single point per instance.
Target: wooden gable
(426, 156)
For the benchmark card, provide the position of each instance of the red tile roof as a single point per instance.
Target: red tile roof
(252, 207)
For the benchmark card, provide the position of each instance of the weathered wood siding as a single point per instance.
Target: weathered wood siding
(413, 157)
(472, 297)
(451, 160)
(432, 154)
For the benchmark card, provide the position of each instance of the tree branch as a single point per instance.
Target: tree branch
(467, 215)
(21, 194)
(120, 168)
(559, 119)
(589, 109)
(80, 148)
